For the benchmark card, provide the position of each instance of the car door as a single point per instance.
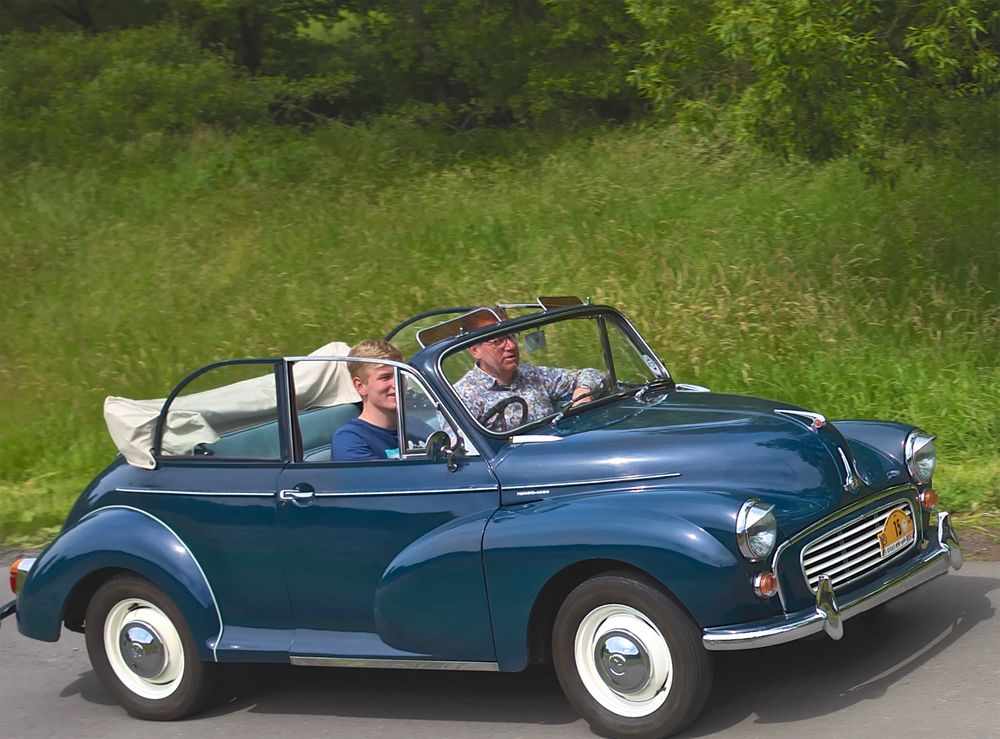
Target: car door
(220, 451)
(383, 558)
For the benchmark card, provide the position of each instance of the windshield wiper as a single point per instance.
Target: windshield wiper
(657, 383)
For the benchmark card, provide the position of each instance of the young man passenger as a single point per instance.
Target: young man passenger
(373, 434)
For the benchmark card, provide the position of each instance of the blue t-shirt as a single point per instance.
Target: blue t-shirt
(358, 440)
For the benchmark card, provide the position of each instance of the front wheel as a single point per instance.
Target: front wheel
(142, 651)
(629, 659)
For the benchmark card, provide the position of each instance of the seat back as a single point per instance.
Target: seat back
(261, 442)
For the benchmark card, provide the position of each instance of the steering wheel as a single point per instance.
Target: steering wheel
(495, 419)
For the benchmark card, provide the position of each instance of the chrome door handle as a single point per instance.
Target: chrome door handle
(294, 494)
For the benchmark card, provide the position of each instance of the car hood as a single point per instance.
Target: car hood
(691, 442)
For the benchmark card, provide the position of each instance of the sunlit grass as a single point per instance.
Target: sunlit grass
(803, 283)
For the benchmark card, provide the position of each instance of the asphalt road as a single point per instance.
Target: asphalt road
(925, 665)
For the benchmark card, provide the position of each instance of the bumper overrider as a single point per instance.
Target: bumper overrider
(828, 615)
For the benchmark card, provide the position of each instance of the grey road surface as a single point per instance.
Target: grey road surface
(925, 665)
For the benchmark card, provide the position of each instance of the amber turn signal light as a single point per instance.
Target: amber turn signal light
(929, 499)
(765, 584)
(13, 575)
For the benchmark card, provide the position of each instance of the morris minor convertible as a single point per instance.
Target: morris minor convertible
(621, 529)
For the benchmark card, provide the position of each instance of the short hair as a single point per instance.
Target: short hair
(371, 349)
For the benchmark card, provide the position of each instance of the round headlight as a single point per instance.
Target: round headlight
(921, 456)
(756, 530)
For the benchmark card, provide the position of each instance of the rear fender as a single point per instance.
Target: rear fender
(117, 539)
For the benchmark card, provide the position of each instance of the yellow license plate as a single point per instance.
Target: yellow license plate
(897, 533)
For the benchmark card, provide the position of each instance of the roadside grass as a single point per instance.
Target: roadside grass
(801, 283)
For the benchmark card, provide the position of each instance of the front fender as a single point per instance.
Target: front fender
(432, 597)
(118, 538)
(527, 546)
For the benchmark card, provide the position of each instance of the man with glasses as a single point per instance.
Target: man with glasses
(530, 392)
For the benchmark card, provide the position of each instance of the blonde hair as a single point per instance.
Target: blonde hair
(371, 349)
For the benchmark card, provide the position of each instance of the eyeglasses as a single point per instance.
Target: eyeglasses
(499, 342)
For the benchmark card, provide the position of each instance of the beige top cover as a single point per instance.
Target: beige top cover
(203, 417)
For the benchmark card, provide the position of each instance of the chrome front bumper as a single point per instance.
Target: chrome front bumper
(828, 615)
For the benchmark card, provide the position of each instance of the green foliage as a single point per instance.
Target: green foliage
(112, 88)
(797, 78)
(817, 79)
(91, 16)
(798, 282)
(496, 62)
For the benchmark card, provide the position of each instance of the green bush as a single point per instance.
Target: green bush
(67, 94)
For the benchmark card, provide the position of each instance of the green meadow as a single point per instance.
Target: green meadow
(809, 283)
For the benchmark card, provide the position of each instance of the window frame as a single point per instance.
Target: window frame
(600, 314)
(280, 389)
(297, 452)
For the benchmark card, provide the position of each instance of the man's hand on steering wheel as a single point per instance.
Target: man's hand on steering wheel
(583, 394)
(495, 418)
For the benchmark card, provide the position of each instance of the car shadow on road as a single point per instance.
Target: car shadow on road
(398, 694)
(818, 676)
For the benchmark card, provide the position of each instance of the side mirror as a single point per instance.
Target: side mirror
(438, 447)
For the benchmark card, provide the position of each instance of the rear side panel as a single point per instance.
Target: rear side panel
(142, 544)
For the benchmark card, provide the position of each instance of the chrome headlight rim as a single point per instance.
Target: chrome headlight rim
(754, 516)
(918, 441)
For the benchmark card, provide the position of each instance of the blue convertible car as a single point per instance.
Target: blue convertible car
(621, 528)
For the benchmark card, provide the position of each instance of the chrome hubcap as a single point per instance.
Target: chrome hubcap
(623, 660)
(142, 649)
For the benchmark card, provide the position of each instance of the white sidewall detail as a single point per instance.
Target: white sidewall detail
(616, 616)
(169, 679)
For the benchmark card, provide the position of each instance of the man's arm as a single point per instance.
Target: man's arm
(566, 383)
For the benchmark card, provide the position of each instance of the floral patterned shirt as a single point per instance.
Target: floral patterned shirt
(541, 388)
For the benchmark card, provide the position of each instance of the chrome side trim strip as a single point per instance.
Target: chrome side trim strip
(214, 493)
(838, 514)
(577, 483)
(406, 492)
(211, 592)
(393, 664)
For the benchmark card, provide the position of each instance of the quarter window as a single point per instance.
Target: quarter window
(227, 412)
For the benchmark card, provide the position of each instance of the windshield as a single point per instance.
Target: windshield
(513, 380)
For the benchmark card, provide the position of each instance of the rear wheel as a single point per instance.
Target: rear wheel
(143, 652)
(629, 659)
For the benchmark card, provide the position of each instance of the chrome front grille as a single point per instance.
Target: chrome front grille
(852, 550)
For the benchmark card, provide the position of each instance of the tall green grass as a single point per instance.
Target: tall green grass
(804, 283)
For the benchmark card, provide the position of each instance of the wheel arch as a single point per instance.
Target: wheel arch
(75, 610)
(561, 584)
(81, 559)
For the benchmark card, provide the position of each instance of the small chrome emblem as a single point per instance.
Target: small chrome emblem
(816, 420)
(532, 492)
